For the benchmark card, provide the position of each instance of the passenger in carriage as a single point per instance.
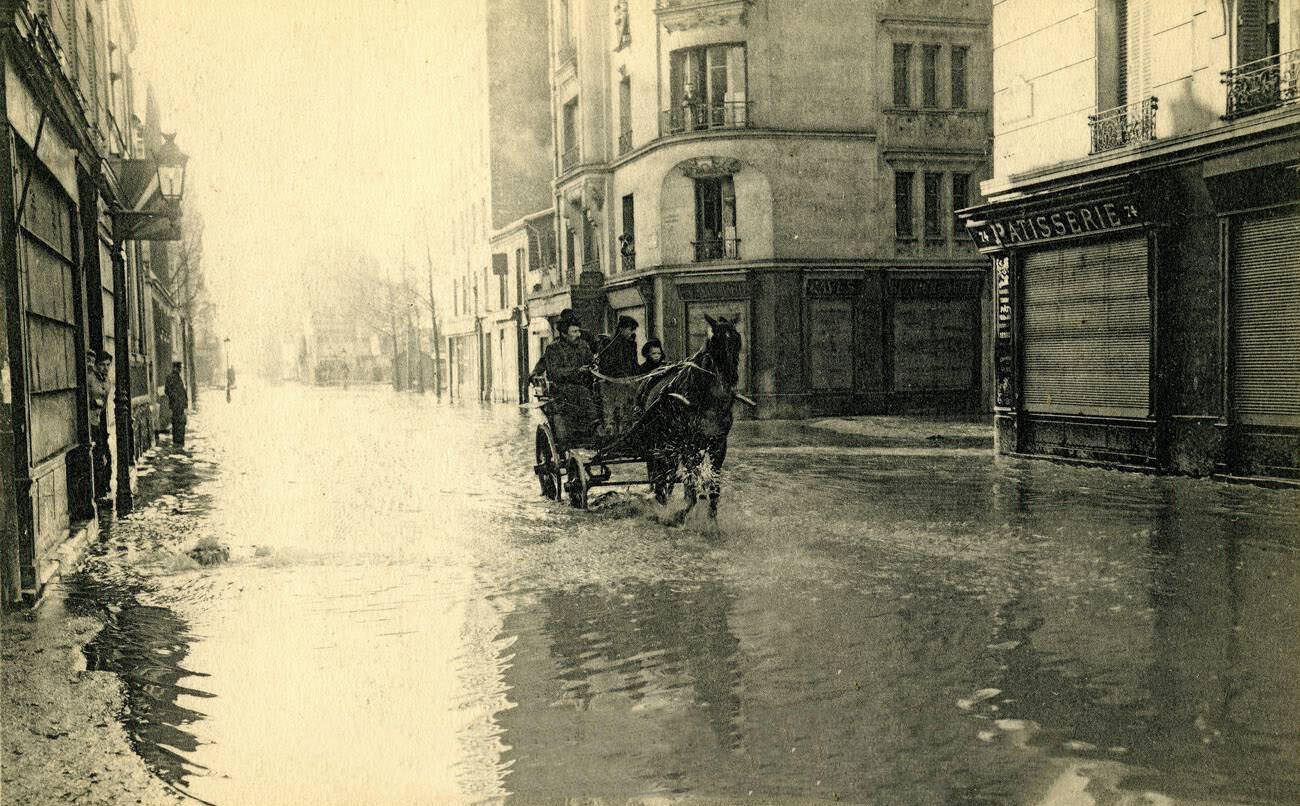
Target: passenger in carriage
(653, 353)
(618, 358)
(566, 364)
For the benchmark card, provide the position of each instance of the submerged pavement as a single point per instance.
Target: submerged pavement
(887, 614)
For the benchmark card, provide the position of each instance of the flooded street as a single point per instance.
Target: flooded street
(403, 619)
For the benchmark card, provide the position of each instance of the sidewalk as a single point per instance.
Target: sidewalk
(61, 733)
(921, 432)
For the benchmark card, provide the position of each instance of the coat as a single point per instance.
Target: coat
(98, 397)
(177, 395)
(619, 358)
(562, 361)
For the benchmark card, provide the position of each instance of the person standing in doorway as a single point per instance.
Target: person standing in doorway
(230, 381)
(177, 398)
(101, 454)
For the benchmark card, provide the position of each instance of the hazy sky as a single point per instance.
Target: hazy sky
(312, 126)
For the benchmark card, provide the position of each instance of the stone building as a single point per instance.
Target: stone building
(792, 167)
(496, 174)
(68, 111)
(1144, 230)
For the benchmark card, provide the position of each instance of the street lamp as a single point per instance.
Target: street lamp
(149, 209)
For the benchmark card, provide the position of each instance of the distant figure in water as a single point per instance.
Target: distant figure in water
(230, 381)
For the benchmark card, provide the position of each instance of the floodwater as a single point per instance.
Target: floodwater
(404, 620)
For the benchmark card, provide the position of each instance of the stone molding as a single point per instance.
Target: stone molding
(700, 167)
(685, 15)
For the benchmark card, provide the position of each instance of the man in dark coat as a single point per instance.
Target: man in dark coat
(177, 399)
(619, 358)
(566, 364)
(100, 395)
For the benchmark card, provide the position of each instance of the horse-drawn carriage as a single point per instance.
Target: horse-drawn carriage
(672, 422)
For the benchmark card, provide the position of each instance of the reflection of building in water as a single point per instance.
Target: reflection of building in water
(1197, 681)
(145, 646)
(639, 670)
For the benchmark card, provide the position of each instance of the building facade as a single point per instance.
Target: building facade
(792, 169)
(1144, 228)
(68, 106)
(497, 174)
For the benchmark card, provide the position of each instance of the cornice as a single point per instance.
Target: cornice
(918, 21)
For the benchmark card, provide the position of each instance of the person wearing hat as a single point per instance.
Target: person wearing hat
(618, 359)
(101, 455)
(177, 400)
(653, 353)
(566, 364)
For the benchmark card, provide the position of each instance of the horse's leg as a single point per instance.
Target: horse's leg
(690, 488)
(717, 455)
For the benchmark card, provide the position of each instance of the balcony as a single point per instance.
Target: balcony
(624, 142)
(628, 261)
(569, 158)
(1123, 126)
(1262, 85)
(716, 249)
(693, 116)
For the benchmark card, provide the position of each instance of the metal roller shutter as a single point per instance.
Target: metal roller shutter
(1265, 288)
(1087, 330)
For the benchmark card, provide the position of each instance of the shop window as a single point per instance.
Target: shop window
(959, 85)
(708, 88)
(903, 204)
(933, 205)
(929, 76)
(715, 218)
(902, 84)
(830, 344)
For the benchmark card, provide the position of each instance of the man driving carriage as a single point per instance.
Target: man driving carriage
(566, 366)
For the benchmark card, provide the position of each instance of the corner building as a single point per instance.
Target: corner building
(792, 167)
(1143, 223)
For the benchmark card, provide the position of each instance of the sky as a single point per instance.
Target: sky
(313, 127)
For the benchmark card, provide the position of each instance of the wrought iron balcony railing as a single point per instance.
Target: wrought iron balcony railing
(624, 142)
(1123, 125)
(691, 116)
(569, 158)
(1262, 84)
(628, 262)
(716, 249)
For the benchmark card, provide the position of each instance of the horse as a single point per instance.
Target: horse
(689, 418)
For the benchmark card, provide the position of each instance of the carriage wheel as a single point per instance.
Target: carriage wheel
(577, 484)
(549, 476)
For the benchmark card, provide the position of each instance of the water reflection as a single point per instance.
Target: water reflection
(145, 645)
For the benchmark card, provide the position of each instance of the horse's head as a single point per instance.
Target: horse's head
(723, 348)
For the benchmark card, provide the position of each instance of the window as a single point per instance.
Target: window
(503, 295)
(930, 76)
(715, 218)
(903, 204)
(933, 205)
(519, 276)
(569, 257)
(902, 85)
(570, 143)
(625, 115)
(960, 198)
(487, 284)
(959, 99)
(627, 241)
(708, 88)
(1258, 30)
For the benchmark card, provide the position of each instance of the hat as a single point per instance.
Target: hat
(99, 355)
(645, 348)
(566, 320)
(627, 321)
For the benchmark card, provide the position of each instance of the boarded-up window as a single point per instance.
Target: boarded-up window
(830, 343)
(934, 345)
(46, 253)
(697, 330)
